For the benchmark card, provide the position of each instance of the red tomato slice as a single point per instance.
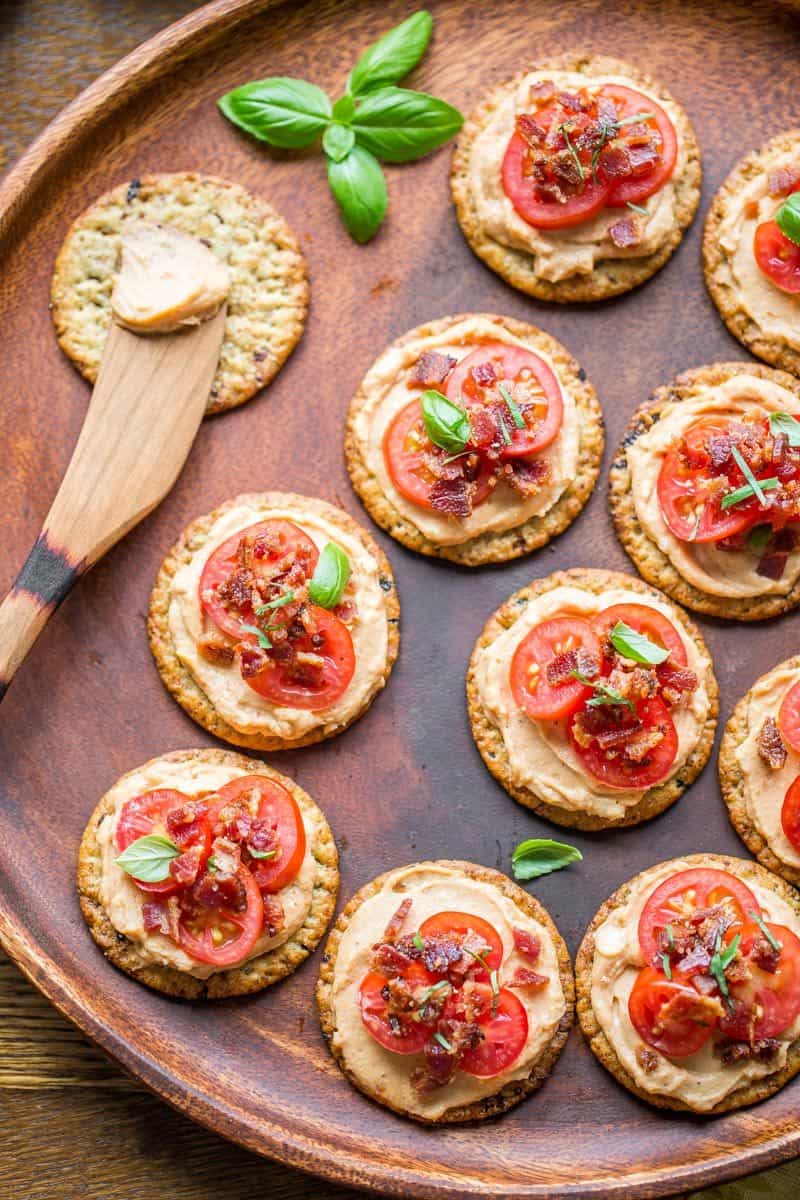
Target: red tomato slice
(777, 257)
(276, 682)
(504, 1037)
(222, 936)
(682, 893)
(407, 451)
(279, 810)
(613, 771)
(546, 214)
(678, 1033)
(413, 1034)
(789, 717)
(293, 544)
(459, 922)
(647, 621)
(690, 502)
(539, 699)
(146, 814)
(643, 184)
(790, 813)
(531, 384)
(775, 995)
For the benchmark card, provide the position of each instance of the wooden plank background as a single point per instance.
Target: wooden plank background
(71, 1123)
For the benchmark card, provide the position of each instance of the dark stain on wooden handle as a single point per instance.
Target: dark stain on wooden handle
(47, 573)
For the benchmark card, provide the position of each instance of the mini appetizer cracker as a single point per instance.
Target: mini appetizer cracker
(751, 249)
(759, 769)
(592, 699)
(274, 621)
(475, 438)
(689, 984)
(705, 490)
(268, 297)
(446, 992)
(206, 874)
(576, 179)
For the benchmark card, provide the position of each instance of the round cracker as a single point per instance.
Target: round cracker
(180, 681)
(610, 277)
(268, 300)
(511, 1093)
(651, 563)
(732, 783)
(489, 739)
(749, 1093)
(252, 976)
(533, 533)
(722, 285)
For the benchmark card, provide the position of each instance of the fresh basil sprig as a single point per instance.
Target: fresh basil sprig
(604, 694)
(634, 645)
(330, 576)
(785, 423)
(374, 119)
(148, 858)
(787, 218)
(445, 423)
(540, 856)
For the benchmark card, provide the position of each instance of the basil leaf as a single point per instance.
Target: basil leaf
(343, 109)
(398, 126)
(330, 576)
(746, 491)
(418, 942)
(393, 56)
(785, 423)
(634, 645)
(263, 640)
(665, 965)
(540, 856)
(788, 218)
(148, 858)
(338, 141)
(359, 188)
(284, 112)
(446, 424)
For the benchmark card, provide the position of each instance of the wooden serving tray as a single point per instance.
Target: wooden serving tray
(406, 782)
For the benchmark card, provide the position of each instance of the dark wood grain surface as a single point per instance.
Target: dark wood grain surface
(409, 764)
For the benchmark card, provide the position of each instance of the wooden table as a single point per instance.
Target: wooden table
(71, 1124)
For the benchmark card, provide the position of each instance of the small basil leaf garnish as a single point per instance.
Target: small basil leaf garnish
(338, 141)
(540, 856)
(787, 218)
(785, 423)
(359, 188)
(746, 491)
(148, 858)
(634, 645)
(446, 424)
(398, 125)
(512, 406)
(330, 576)
(393, 55)
(285, 112)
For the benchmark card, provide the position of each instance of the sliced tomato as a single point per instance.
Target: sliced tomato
(278, 809)
(529, 381)
(645, 620)
(147, 814)
(689, 499)
(292, 544)
(612, 770)
(279, 682)
(773, 997)
(224, 936)
(777, 256)
(504, 1036)
(403, 1035)
(546, 214)
(679, 1031)
(686, 891)
(408, 453)
(645, 182)
(462, 923)
(790, 813)
(789, 717)
(541, 700)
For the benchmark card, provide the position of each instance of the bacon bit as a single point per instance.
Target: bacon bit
(154, 917)
(214, 651)
(274, 916)
(212, 891)
(559, 669)
(684, 1006)
(764, 955)
(530, 129)
(440, 1066)
(675, 682)
(523, 977)
(484, 374)
(527, 477)
(252, 660)
(782, 180)
(624, 233)
(634, 683)
(730, 1052)
(772, 564)
(646, 1059)
(770, 745)
(180, 821)
(392, 930)
(751, 209)
(638, 746)
(186, 867)
(389, 959)
(443, 952)
(346, 611)
(615, 161)
(227, 857)
(527, 944)
(452, 497)
(542, 90)
(431, 368)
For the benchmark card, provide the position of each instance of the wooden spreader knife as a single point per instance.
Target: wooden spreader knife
(145, 410)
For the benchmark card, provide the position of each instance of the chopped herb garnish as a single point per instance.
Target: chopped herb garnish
(279, 602)
(443, 1042)
(513, 407)
(746, 491)
(495, 982)
(634, 119)
(503, 431)
(562, 129)
(665, 967)
(634, 645)
(767, 932)
(748, 474)
(211, 863)
(603, 694)
(720, 961)
(670, 936)
(433, 990)
(262, 854)
(637, 208)
(785, 423)
(263, 640)
(418, 942)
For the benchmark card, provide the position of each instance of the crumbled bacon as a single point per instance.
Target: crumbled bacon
(527, 944)
(215, 651)
(252, 660)
(392, 930)
(390, 959)
(212, 892)
(561, 668)
(638, 746)
(675, 682)
(182, 821)
(451, 497)
(624, 233)
(730, 1052)
(484, 374)
(765, 955)
(782, 180)
(274, 915)
(162, 916)
(527, 477)
(646, 1059)
(770, 745)
(772, 563)
(633, 682)
(186, 867)
(432, 368)
(684, 1006)
(524, 977)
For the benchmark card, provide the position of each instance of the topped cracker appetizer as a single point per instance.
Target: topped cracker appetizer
(475, 438)
(751, 249)
(576, 179)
